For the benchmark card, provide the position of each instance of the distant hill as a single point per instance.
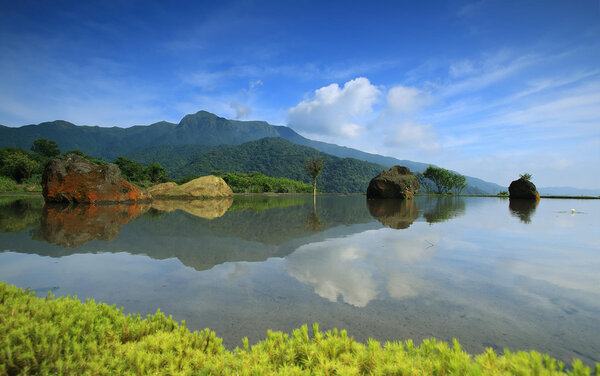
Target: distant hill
(269, 156)
(567, 191)
(194, 133)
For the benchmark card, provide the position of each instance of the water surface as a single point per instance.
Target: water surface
(491, 273)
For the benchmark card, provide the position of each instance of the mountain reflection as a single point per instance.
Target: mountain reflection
(397, 214)
(523, 209)
(364, 266)
(72, 226)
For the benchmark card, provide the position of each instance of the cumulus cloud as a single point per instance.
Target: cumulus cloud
(333, 110)
(240, 110)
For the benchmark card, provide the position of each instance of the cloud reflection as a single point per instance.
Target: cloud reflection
(365, 266)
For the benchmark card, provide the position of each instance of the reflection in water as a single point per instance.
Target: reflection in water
(362, 266)
(209, 209)
(314, 222)
(444, 208)
(523, 209)
(20, 214)
(72, 226)
(397, 214)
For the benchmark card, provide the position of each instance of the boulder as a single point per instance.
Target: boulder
(397, 182)
(205, 187)
(75, 179)
(523, 189)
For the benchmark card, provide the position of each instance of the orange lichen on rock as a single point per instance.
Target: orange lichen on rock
(75, 179)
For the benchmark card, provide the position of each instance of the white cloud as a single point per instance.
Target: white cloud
(410, 134)
(333, 111)
(407, 100)
(240, 110)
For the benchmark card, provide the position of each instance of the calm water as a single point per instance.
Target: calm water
(488, 273)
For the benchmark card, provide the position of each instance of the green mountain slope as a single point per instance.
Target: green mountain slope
(270, 156)
(197, 132)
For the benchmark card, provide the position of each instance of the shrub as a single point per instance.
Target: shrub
(65, 336)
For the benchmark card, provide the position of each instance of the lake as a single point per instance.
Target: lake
(487, 271)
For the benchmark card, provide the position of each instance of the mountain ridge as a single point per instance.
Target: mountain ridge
(201, 128)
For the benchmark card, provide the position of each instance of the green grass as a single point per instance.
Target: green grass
(65, 336)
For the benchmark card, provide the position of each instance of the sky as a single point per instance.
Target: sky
(489, 88)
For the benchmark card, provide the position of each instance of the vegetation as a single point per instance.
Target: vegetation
(525, 176)
(140, 175)
(45, 148)
(441, 181)
(65, 336)
(259, 183)
(502, 194)
(273, 157)
(313, 169)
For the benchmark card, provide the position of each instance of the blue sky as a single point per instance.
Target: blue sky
(488, 88)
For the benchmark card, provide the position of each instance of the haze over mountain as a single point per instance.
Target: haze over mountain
(199, 144)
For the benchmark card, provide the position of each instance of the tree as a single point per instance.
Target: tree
(525, 176)
(45, 148)
(313, 168)
(131, 170)
(157, 173)
(444, 180)
(18, 165)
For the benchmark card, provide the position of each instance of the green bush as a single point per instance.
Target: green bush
(65, 336)
(259, 183)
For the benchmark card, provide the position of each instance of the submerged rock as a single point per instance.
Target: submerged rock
(523, 189)
(205, 187)
(74, 179)
(397, 182)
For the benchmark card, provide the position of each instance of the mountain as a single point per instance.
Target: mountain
(567, 191)
(269, 156)
(194, 133)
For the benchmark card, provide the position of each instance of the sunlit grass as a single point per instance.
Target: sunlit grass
(66, 336)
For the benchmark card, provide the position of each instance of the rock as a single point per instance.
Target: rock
(75, 179)
(397, 214)
(74, 225)
(205, 187)
(397, 182)
(208, 209)
(523, 189)
(161, 189)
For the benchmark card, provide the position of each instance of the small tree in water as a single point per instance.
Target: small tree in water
(313, 168)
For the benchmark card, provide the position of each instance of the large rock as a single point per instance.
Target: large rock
(397, 182)
(75, 179)
(523, 189)
(205, 187)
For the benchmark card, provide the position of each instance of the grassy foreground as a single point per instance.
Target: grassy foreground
(65, 336)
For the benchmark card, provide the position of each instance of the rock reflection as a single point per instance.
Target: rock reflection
(72, 226)
(523, 209)
(208, 209)
(361, 267)
(397, 214)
